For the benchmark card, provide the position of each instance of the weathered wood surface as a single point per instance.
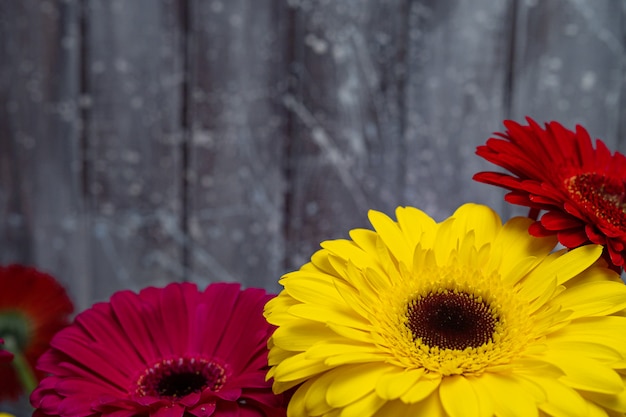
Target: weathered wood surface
(153, 141)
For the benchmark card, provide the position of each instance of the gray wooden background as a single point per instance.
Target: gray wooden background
(149, 141)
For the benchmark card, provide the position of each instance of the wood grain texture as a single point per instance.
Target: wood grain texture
(458, 64)
(346, 103)
(133, 76)
(569, 65)
(236, 152)
(41, 208)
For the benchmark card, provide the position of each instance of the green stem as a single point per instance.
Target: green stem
(23, 369)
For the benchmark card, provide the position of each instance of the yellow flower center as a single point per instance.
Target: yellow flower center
(453, 319)
(600, 196)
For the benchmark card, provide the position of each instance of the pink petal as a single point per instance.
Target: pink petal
(173, 411)
(217, 303)
(126, 307)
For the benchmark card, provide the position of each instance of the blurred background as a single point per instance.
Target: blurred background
(150, 141)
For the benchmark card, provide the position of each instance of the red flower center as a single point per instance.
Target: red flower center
(600, 196)
(451, 320)
(176, 378)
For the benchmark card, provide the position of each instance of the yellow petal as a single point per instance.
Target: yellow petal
(319, 262)
(398, 408)
(357, 300)
(393, 237)
(564, 265)
(299, 335)
(482, 220)
(422, 389)
(512, 271)
(339, 316)
(315, 402)
(609, 401)
(364, 407)
(561, 400)
(298, 367)
(277, 354)
(397, 382)
(366, 240)
(315, 288)
(602, 352)
(514, 243)
(457, 397)
(593, 298)
(582, 372)
(298, 402)
(509, 396)
(353, 358)
(349, 251)
(417, 226)
(609, 331)
(339, 346)
(275, 310)
(363, 336)
(485, 403)
(430, 406)
(351, 383)
(445, 242)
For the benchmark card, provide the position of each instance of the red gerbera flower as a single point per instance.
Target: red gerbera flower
(582, 189)
(165, 352)
(33, 307)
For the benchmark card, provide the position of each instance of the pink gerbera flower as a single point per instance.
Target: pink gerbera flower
(166, 352)
(580, 188)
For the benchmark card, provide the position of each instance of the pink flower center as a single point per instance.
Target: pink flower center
(176, 378)
(451, 320)
(600, 196)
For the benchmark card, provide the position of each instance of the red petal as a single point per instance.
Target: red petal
(554, 220)
(617, 258)
(594, 235)
(497, 178)
(573, 238)
(536, 229)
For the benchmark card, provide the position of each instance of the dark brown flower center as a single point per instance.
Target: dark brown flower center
(451, 320)
(601, 196)
(175, 378)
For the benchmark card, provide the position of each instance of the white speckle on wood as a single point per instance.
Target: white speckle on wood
(588, 81)
(217, 6)
(318, 45)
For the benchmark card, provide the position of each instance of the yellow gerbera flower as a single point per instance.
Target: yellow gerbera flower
(463, 318)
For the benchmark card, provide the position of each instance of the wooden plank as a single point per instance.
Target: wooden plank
(134, 78)
(347, 149)
(236, 185)
(42, 216)
(456, 97)
(569, 57)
